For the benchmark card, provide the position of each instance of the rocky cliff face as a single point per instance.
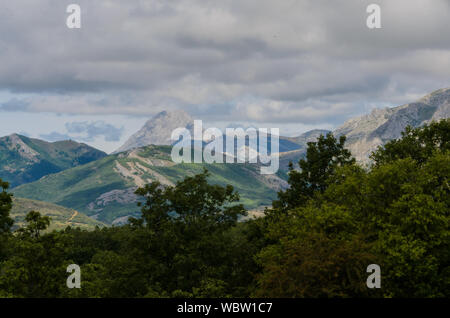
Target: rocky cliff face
(158, 130)
(366, 133)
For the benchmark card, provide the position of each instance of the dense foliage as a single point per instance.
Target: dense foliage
(316, 240)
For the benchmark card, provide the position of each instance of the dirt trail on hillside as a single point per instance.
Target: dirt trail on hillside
(73, 216)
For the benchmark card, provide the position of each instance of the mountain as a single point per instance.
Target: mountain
(284, 144)
(104, 189)
(295, 154)
(61, 217)
(366, 133)
(24, 159)
(308, 136)
(158, 130)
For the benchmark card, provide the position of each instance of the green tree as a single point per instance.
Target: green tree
(192, 202)
(416, 143)
(184, 244)
(316, 252)
(322, 158)
(396, 215)
(6, 221)
(409, 207)
(5, 207)
(35, 224)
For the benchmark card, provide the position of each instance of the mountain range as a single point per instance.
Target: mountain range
(24, 159)
(158, 130)
(104, 189)
(366, 133)
(79, 177)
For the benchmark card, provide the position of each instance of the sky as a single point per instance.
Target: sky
(292, 64)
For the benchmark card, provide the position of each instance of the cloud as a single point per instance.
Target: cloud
(14, 105)
(299, 60)
(91, 130)
(55, 136)
(86, 131)
(24, 133)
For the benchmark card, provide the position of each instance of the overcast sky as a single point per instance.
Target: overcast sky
(295, 65)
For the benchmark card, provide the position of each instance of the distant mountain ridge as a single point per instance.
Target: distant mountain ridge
(104, 189)
(366, 133)
(158, 130)
(308, 136)
(24, 159)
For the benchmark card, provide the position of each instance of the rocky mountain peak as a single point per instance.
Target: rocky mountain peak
(14, 143)
(158, 130)
(367, 132)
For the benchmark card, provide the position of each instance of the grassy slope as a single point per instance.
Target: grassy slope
(64, 154)
(77, 187)
(61, 217)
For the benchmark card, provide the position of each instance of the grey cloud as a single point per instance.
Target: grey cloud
(24, 133)
(91, 130)
(308, 57)
(86, 132)
(14, 105)
(55, 136)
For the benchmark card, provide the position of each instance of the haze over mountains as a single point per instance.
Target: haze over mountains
(79, 177)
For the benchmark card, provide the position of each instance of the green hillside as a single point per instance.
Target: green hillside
(104, 189)
(61, 217)
(24, 159)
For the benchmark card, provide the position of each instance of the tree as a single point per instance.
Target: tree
(6, 221)
(396, 215)
(35, 264)
(5, 207)
(416, 143)
(35, 223)
(317, 251)
(182, 236)
(191, 202)
(322, 158)
(408, 206)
